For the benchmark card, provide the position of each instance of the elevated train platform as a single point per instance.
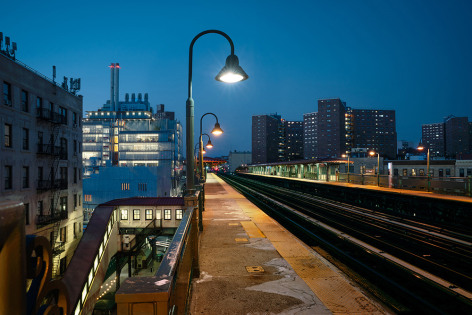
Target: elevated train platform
(251, 264)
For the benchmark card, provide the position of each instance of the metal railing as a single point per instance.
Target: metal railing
(51, 116)
(46, 219)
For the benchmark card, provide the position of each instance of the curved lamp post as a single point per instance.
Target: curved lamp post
(202, 151)
(421, 148)
(372, 153)
(216, 131)
(230, 73)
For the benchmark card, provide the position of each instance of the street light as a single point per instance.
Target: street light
(348, 165)
(216, 131)
(230, 73)
(202, 151)
(421, 148)
(372, 153)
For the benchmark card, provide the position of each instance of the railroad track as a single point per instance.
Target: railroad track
(419, 267)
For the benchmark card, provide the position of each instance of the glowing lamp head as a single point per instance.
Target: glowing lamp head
(372, 153)
(420, 147)
(209, 145)
(232, 71)
(217, 130)
(203, 151)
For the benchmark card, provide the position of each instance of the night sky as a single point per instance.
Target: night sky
(414, 57)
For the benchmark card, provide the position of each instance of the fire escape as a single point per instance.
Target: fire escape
(53, 185)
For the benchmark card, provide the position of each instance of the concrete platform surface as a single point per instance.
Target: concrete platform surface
(251, 265)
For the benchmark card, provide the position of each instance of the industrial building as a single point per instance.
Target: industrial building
(130, 149)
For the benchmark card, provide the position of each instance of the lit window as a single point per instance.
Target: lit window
(167, 214)
(179, 214)
(124, 214)
(136, 214)
(148, 214)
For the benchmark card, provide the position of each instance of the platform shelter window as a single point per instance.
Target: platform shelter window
(158, 215)
(405, 172)
(148, 214)
(179, 213)
(167, 214)
(136, 214)
(124, 214)
(421, 171)
(448, 172)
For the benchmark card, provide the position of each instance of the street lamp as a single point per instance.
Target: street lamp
(230, 73)
(216, 131)
(421, 148)
(372, 153)
(202, 151)
(348, 165)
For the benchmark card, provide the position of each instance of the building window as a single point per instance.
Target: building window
(63, 174)
(75, 147)
(448, 172)
(39, 106)
(25, 177)
(27, 222)
(413, 172)
(441, 172)
(405, 172)
(7, 94)
(25, 139)
(124, 186)
(63, 113)
(75, 175)
(79, 198)
(158, 215)
(461, 172)
(75, 201)
(24, 101)
(74, 119)
(40, 207)
(167, 214)
(148, 214)
(142, 186)
(63, 204)
(421, 171)
(75, 230)
(88, 197)
(124, 214)
(64, 153)
(8, 176)
(63, 234)
(395, 171)
(136, 214)
(8, 136)
(179, 213)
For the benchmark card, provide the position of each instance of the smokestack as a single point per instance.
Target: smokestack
(112, 86)
(117, 85)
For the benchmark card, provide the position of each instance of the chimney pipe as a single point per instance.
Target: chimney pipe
(117, 85)
(112, 86)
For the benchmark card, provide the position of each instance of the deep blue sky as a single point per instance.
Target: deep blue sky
(411, 56)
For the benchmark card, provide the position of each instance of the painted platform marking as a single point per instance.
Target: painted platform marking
(252, 230)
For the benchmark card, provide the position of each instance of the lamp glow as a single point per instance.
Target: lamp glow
(209, 145)
(217, 130)
(232, 71)
(231, 77)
